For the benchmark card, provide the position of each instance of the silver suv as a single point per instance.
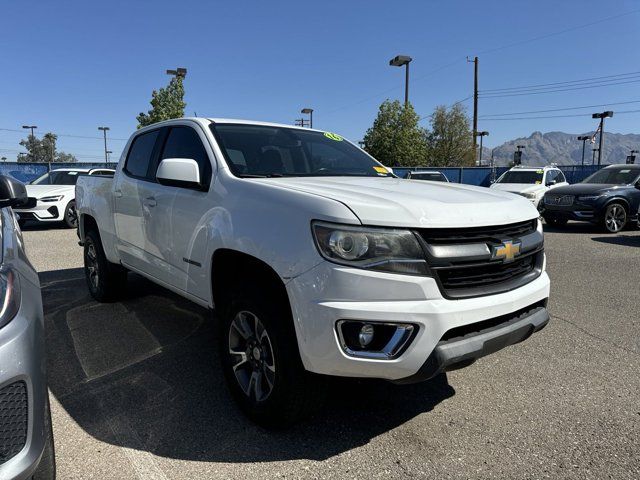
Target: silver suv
(26, 438)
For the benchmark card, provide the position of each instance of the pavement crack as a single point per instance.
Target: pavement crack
(597, 337)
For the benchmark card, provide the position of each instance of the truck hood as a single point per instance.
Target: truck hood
(404, 203)
(39, 191)
(587, 188)
(518, 187)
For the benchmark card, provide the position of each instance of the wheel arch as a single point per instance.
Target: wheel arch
(618, 199)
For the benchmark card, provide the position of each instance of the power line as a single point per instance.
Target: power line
(66, 135)
(557, 109)
(565, 83)
(557, 90)
(618, 112)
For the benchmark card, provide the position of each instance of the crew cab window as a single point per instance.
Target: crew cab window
(184, 142)
(140, 153)
(561, 178)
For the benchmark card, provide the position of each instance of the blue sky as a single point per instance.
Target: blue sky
(70, 66)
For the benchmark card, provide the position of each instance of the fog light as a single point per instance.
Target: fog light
(366, 335)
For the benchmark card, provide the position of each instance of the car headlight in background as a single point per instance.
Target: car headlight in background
(9, 295)
(588, 198)
(385, 250)
(52, 198)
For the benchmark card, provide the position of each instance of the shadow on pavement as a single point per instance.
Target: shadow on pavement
(623, 240)
(573, 227)
(143, 374)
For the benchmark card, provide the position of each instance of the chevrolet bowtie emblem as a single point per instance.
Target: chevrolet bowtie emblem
(507, 251)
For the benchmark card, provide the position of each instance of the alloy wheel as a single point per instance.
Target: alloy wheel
(252, 356)
(615, 218)
(72, 216)
(92, 265)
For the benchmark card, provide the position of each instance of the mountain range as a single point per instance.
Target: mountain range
(564, 149)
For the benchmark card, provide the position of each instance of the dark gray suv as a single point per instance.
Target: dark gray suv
(26, 438)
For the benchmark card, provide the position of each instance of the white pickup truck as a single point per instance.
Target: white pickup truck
(317, 260)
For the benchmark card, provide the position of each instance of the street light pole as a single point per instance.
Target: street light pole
(178, 72)
(308, 111)
(481, 135)
(584, 139)
(601, 116)
(30, 127)
(104, 131)
(399, 61)
(593, 158)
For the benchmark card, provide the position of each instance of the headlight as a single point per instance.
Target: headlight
(588, 198)
(52, 198)
(385, 250)
(9, 295)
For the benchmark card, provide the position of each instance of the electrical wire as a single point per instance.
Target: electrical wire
(483, 117)
(557, 90)
(621, 112)
(606, 78)
(68, 135)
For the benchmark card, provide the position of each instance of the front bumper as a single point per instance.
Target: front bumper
(44, 211)
(329, 293)
(22, 361)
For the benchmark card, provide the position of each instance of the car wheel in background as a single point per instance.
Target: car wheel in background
(105, 280)
(71, 215)
(261, 363)
(615, 217)
(47, 467)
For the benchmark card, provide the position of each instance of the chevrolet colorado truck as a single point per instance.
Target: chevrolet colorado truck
(317, 260)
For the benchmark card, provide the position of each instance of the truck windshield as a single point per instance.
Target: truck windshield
(613, 176)
(521, 176)
(57, 178)
(269, 151)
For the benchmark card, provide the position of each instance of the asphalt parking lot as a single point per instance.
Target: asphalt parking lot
(136, 392)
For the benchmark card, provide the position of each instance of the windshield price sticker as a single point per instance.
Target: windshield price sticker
(333, 136)
(381, 170)
(539, 171)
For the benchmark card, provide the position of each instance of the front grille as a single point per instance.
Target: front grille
(560, 200)
(443, 236)
(460, 277)
(13, 420)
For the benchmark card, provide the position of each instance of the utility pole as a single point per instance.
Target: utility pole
(517, 155)
(631, 159)
(301, 122)
(584, 139)
(475, 102)
(601, 116)
(593, 159)
(104, 131)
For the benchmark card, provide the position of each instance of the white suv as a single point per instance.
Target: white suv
(530, 182)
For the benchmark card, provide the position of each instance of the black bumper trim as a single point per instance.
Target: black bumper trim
(462, 351)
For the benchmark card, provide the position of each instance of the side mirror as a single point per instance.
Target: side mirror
(12, 192)
(179, 172)
(551, 183)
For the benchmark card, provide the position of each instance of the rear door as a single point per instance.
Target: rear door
(132, 207)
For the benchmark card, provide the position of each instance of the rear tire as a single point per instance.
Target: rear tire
(105, 280)
(71, 215)
(47, 467)
(261, 362)
(615, 218)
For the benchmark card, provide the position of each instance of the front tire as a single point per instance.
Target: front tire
(261, 362)
(71, 215)
(615, 217)
(105, 280)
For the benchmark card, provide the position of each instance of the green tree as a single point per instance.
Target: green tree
(44, 150)
(166, 103)
(396, 139)
(449, 140)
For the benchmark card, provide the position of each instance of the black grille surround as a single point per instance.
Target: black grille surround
(463, 278)
(14, 420)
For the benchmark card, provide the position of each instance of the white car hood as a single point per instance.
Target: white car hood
(519, 187)
(405, 203)
(39, 191)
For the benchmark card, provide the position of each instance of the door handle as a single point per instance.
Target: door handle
(117, 193)
(150, 202)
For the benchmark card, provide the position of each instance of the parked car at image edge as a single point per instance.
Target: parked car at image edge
(318, 261)
(26, 437)
(610, 197)
(52, 196)
(430, 175)
(530, 182)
